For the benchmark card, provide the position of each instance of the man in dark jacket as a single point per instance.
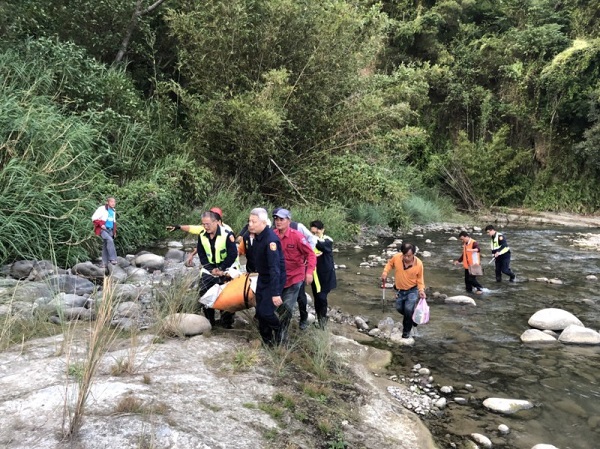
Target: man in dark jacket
(325, 280)
(270, 265)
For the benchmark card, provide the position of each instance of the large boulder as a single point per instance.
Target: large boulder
(553, 319)
(460, 299)
(186, 324)
(69, 283)
(175, 254)
(537, 336)
(42, 269)
(506, 406)
(138, 275)
(25, 292)
(88, 270)
(21, 269)
(150, 262)
(578, 335)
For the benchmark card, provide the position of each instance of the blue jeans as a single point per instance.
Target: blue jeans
(406, 301)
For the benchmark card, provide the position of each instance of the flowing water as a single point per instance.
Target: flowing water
(481, 346)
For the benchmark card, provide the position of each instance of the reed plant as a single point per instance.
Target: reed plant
(100, 338)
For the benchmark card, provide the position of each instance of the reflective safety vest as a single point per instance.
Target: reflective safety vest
(220, 247)
(469, 257)
(496, 245)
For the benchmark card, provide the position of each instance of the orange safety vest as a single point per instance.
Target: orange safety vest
(469, 257)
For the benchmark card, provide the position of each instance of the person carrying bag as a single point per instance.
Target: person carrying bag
(471, 262)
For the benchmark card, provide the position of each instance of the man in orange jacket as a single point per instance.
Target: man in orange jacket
(409, 282)
(471, 255)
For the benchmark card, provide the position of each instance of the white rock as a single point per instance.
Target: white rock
(361, 323)
(555, 281)
(453, 239)
(425, 254)
(150, 262)
(541, 279)
(174, 244)
(574, 334)
(375, 332)
(536, 336)
(553, 319)
(544, 446)
(503, 429)
(506, 406)
(186, 324)
(481, 439)
(428, 241)
(447, 389)
(591, 277)
(460, 299)
(440, 403)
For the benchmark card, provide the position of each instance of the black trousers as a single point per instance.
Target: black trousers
(471, 282)
(503, 266)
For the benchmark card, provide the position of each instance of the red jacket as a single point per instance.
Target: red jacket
(299, 256)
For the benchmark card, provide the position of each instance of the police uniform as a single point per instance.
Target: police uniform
(270, 266)
(217, 252)
(501, 251)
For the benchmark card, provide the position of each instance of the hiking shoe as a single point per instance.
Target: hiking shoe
(303, 325)
(405, 335)
(512, 278)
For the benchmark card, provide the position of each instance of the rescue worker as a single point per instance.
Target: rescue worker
(270, 266)
(471, 254)
(197, 230)
(409, 281)
(300, 263)
(302, 299)
(217, 252)
(325, 279)
(501, 253)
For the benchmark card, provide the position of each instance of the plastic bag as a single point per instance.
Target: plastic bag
(421, 313)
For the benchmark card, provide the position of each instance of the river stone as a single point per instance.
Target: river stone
(42, 269)
(186, 324)
(482, 440)
(553, 319)
(555, 281)
(174, 244)
(503, 429)
(375, 332)
(175, 254)
(446, 389)
(460, 299)
(574, 334)
(361, 323)
(126, 292)
(150, 262)
(541, 279)
(21, 269)
(136, 274)
(506, 406)
(25, 291)
(440, 403)
(118, 274)
(70, 300)
(591, 277)
(396, 337)
(544, 446)
(536, 336)
(77, 313)
(129, 309)
(88, 269)
(69, 283)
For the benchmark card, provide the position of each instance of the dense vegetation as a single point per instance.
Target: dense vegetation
(386, 112)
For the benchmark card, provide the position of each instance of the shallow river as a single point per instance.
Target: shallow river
(481, 346)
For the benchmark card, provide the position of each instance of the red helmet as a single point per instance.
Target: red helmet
(216, 210)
